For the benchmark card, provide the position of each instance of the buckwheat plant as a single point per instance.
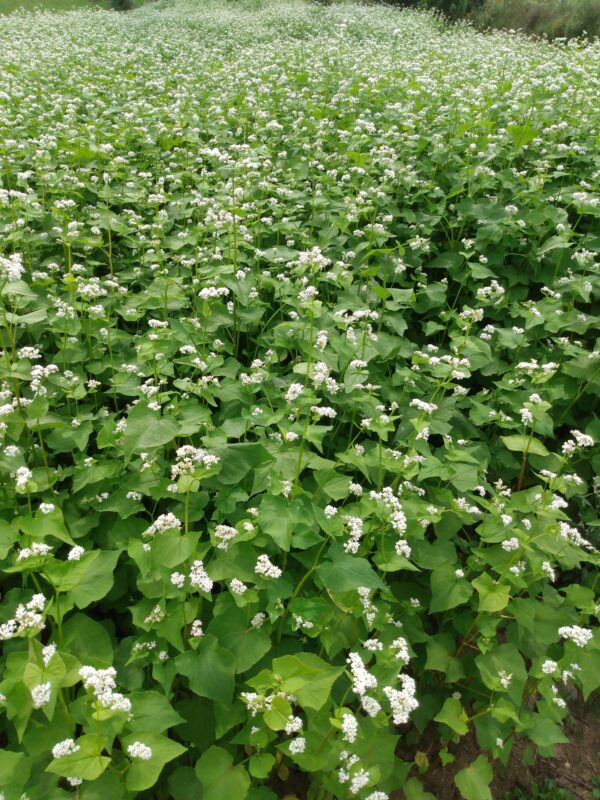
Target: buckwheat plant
(298, 420)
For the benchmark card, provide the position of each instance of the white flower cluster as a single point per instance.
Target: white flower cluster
(188, 458)
(224, 534)
(36, 549)
(27, 618)
(47, 653)
(355, 525)
(265, 567)
(22, 477)
(65, 748)
(576, 634)
(140, 751)
(102, 683)
(213, 293)
(349, 728)
(402, 701)
(579, 440)
(200, 578)
(397, 518)
(11, 267)
(163, 523)
(427, 408)
(40, 694)
(294, 392)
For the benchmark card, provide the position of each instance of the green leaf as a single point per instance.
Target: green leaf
(448, 591)
(86, 762)
(277, 715)
(210, 670)
(231, 626)
(260, 765)
(525, 444)
(219, 778)
(11, 763)
(454, 716)
(413, 790)
(440, 657)
(544, 732)
(237, 460)
(152, 711)
(345, 573)
(146, 430)
(308, 677)
(98, 578)
(474, 781)
(275, 520)
(144, 774)
(503, 658)
(493, 596)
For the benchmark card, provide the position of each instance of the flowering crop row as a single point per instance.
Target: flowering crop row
(298, 400)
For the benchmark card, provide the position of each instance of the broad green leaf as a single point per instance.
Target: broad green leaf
(97, 580)
(210, 669)
(413, 790)
(87, 762)
(152, 711)
(525, 444)
(219, 778)
(493, 596)
(308, 677)
(146, 430)
(448, 591)
(11, 763)
(143, 774)
(454, 716)
(474, 781)
(544, 732)
(503, 659)
(232, 627)
(345, 573)
(278, 714)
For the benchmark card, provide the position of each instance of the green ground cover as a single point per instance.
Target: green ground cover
(298, 408)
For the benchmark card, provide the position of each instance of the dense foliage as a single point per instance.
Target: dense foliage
(552, 18)
(299, 371)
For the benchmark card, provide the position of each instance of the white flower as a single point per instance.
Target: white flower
(40, 694)
(196, 630)
(294, 392)
(65, 748)
(22, 477)
(177, 579)
(359, 781)
(266, 568)
(510, 544)
(140, 750)
(75, 553)
(199, 577)
(47, 652)
(237, 587)
(505, 678)
(549, 667)
(293, 725)
(576, 634)
(297, 745)
(402, 701)
(349, 728)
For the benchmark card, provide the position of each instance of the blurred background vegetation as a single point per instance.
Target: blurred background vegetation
(551, 18)
(8, 6)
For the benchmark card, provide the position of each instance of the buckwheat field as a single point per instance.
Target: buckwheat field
(299, 377)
